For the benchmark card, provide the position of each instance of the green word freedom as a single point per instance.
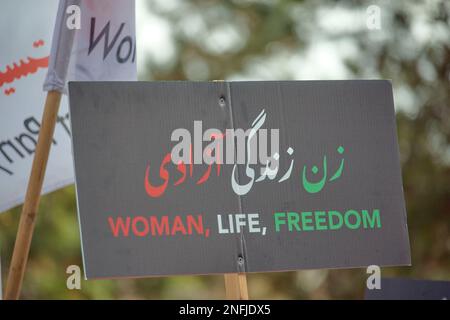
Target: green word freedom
(327, 220)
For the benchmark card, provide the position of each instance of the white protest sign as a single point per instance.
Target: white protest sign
(26, 40)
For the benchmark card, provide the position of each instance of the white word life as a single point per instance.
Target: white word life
(235, 223)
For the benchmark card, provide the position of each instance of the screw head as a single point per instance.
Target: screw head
(222, 101)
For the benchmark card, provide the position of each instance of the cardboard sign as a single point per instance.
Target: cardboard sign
(407, 289)
(222, 177)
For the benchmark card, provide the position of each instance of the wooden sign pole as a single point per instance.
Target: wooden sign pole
(236, 286)
(31, 204)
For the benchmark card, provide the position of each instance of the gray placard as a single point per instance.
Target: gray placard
(341, 205)
(409, 289)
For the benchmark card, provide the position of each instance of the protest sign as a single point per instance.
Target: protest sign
(408, 289)
(223, 177)
(81, 26)
(23, 66)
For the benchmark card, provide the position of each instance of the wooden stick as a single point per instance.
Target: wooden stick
(236, 286)
(30, 207)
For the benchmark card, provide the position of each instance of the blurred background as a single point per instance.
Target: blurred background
(283, 40)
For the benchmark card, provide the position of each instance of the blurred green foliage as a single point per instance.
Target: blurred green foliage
(250, 39)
